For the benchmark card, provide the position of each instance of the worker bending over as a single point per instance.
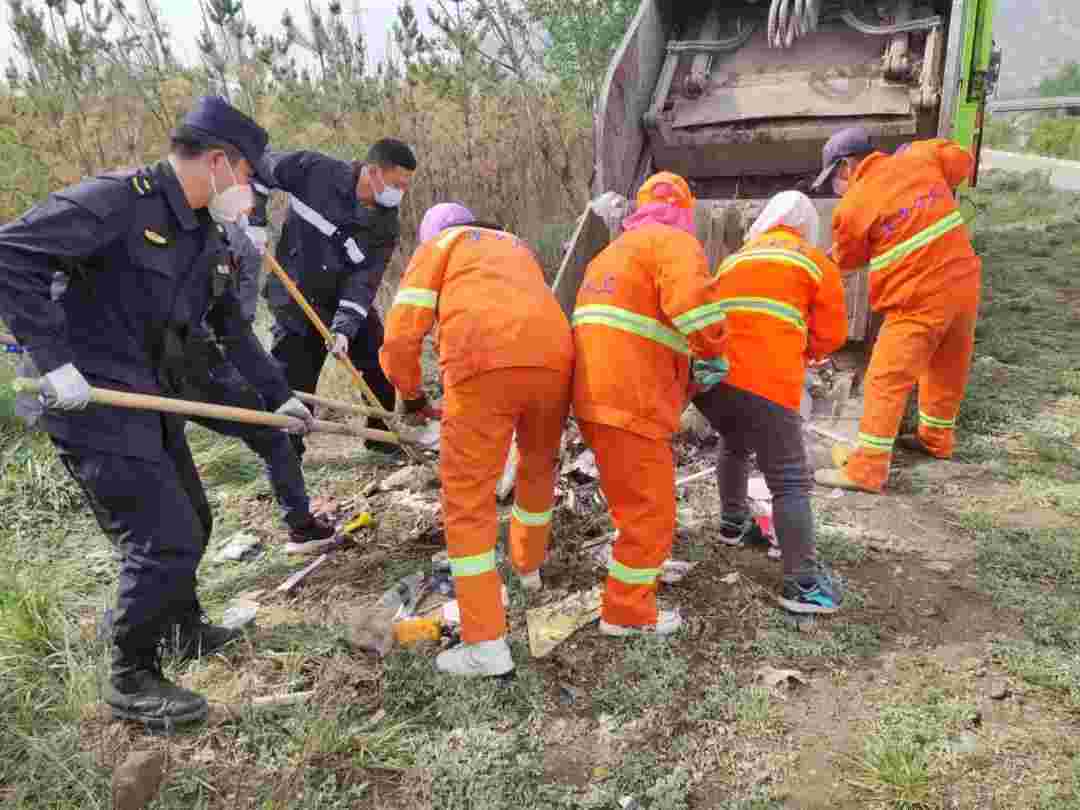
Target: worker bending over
(899, 215)
(506, 357)
(784, 303)
(340, 232)
(644, 307)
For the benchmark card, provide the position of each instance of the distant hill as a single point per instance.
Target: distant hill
(1036, 37)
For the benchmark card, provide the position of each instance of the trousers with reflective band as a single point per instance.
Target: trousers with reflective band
(637, 476)
(930, 345)
(898, 253)
(480, 417)
(632, 323)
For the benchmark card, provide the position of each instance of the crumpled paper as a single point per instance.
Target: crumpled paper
(551, 625)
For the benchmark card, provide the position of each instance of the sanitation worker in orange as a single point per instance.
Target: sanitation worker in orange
(506, 356)
(899, 216)
(784, 303)
(644, 316)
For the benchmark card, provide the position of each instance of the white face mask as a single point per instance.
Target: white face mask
(232, 203)
(390, 196)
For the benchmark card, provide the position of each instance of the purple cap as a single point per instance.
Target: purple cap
(850, 142)
(442, 216)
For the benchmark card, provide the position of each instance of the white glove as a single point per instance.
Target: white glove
(339, 344)
(258, 237)
(296, 409)
(66, 389)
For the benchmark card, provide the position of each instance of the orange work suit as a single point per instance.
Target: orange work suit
(901, 218)
(784, 303)
(645, 305)
(506, 355)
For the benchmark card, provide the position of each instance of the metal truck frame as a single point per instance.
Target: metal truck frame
(710, 91)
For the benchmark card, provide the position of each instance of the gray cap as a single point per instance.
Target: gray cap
(850, 142)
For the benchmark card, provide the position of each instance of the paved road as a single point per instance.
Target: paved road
(1064, 174)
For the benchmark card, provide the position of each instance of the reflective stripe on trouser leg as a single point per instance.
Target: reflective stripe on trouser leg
(476, 434)
(901, 356)
(637, 476)
(529, 533)
(941, 389)
(539, 431)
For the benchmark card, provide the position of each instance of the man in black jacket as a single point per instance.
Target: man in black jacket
(342, 228)
(147, 259)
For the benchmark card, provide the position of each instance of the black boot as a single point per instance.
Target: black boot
(137, 690)
(193, 636)
(310, 534)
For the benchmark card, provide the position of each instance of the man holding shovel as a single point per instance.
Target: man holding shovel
(144, 251)
(341, 229)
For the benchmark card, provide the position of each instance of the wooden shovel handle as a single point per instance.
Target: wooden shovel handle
(207, 410)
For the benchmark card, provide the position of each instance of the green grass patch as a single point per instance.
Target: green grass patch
(413, 688)
(823, 639)
(649, 674)
(839, 547)
(1038, 573)
(897, 764)
(1044, 667)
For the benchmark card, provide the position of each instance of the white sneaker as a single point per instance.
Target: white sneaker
(531, 581)
(485, 659)
(667, 622)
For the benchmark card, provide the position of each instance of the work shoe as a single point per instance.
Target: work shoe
(146, 696)
(838, 479)
(531, 581)
(912, 442)
(667, 622)
(817, 591)
(747, 533)
(195, 637)
(313, 535)
(485, 659)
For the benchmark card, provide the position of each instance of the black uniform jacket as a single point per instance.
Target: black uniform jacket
(146, 272)
(341, 291)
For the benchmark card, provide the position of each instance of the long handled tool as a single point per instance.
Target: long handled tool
(346, 407)
(317, 322)
(185, 407)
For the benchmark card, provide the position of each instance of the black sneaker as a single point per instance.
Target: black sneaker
(146, 696)
(746, 533)
(315, 534)
(815, 591)
(196, 637)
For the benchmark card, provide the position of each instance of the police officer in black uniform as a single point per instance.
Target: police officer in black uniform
(212, 378)
(341, 229)
(147, 260)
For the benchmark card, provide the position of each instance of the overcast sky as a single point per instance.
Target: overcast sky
(182, 17)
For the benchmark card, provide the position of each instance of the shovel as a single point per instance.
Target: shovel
(184, 407)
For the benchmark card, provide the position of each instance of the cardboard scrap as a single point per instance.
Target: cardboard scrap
(550, 625)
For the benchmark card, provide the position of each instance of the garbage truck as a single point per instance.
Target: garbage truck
(739, 97)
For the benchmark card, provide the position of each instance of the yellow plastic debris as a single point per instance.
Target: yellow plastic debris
(552, 624)
(840, 455)
(358, 522)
